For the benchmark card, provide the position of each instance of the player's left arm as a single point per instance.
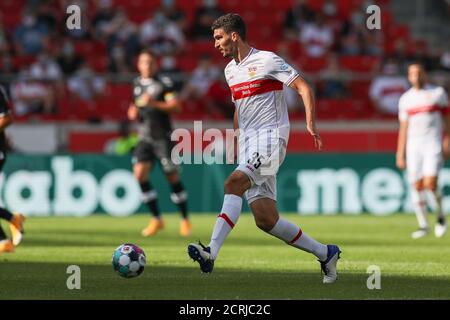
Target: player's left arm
(307, 95)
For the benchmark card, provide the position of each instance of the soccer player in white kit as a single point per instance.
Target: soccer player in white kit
(256, 81)
(423, 116)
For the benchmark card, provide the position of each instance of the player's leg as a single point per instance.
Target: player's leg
(430, 184)
(163, 149)
(418, 199)
(267, 219)
(414, 163)
(143, 158)
(141, 171)
(262, 202)
(432, 165)
(179, 197)
(16, 221)
(6, 244)
(254, 155)
(235, 186)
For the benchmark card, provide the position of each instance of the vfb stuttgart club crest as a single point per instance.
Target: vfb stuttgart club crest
(252, 71)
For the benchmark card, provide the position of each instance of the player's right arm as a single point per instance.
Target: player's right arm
(307, 95)
(401, 145)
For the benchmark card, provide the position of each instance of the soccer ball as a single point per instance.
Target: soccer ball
(128, 260)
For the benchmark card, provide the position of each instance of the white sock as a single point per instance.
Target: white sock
(420, 203)
(293, 235)
(231, 210)
(437, 198)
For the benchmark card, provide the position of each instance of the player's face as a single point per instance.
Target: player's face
(224, 43)
(416, 75)
(146, 65)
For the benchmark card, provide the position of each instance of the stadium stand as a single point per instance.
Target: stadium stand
(267, 15)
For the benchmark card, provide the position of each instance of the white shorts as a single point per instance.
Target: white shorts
(423, 159)
(260, 162)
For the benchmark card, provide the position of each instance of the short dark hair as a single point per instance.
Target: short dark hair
(147, 51)
(231, 22)
(419, 63)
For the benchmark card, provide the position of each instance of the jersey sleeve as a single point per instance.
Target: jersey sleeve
(169, 89)
(280, 70)
(402, 113)
(4, 110)
(443, 100)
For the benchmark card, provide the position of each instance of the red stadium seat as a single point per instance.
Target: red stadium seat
(359, 63)
(343, 109)
(120, 91)
(359, 89)
(316, 5)
(345, 7)
(97, 62)
(84, 47)
(397, 31)
(309, 64)
(112, 108)
(187, 62)
(23, 61)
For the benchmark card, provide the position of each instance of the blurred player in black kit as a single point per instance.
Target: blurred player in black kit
(16, 220)
(154, 100)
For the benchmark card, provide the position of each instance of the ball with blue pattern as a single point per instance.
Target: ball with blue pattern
(128, 260)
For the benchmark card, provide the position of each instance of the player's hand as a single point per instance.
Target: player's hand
(317, 139)
(132, 112)
(401, 163)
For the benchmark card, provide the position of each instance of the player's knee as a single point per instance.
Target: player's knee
(430, 185)
(138, 175)
(236, 184)
(172, 177)
(265, 223)
(141, 175)
(419, 185)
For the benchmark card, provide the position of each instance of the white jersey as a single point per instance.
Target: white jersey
(423, 109)
(256, 85)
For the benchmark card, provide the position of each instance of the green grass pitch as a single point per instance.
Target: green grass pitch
(251, 264)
